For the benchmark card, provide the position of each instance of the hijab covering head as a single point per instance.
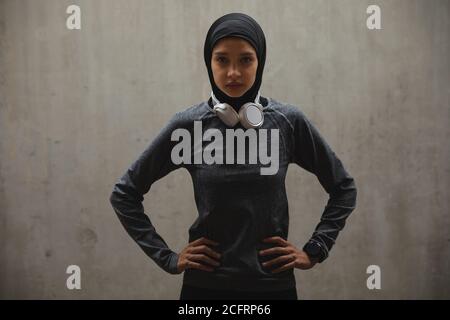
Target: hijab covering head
(245, 27)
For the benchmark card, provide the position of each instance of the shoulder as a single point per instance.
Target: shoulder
(185, 117)
(292, 114)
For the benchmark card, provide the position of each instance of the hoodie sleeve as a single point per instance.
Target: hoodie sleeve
(312, 153)
(127, 196)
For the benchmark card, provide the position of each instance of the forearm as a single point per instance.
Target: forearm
(340, 205)
(127, 203)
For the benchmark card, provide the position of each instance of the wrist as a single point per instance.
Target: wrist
(315, 251)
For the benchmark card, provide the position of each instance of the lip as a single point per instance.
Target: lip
(234, 85)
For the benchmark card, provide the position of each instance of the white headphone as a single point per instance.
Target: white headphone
(250, 114)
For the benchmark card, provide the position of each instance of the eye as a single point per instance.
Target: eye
(221, 59)
(247, 60)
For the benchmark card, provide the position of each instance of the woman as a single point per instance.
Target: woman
(238, 245)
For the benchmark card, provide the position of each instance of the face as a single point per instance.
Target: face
(234, 63)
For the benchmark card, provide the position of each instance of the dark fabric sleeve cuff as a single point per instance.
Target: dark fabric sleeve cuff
(173, 263)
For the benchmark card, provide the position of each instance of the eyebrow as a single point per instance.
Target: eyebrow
(222, 53)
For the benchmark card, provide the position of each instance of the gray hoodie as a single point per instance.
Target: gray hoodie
(237, 205)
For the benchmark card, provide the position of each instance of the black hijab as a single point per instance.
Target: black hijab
(243, 26)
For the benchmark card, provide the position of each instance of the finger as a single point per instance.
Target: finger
(276, 250)
(203, 258)
(199, 266)
(286, 258)
(290, 265)
(203, 241)
(207, 250)
(277, 240)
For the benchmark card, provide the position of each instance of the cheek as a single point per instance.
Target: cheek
(255, 68)
(251, 74)
(218, 76)
(252, 69)
(215, 72)
(215, 69)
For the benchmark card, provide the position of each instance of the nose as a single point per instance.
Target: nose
(233, 71)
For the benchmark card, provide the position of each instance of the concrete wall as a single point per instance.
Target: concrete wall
(78, 106)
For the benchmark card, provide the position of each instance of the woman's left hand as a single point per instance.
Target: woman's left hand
(289, 256)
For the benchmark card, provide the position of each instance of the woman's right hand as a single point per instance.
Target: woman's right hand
(198, 255)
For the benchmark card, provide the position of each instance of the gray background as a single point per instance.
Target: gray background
(77, 107)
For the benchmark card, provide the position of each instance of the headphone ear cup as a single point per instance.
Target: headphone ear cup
(251, 115)
(227, 114)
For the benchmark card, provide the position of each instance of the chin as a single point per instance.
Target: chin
(234, 93)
